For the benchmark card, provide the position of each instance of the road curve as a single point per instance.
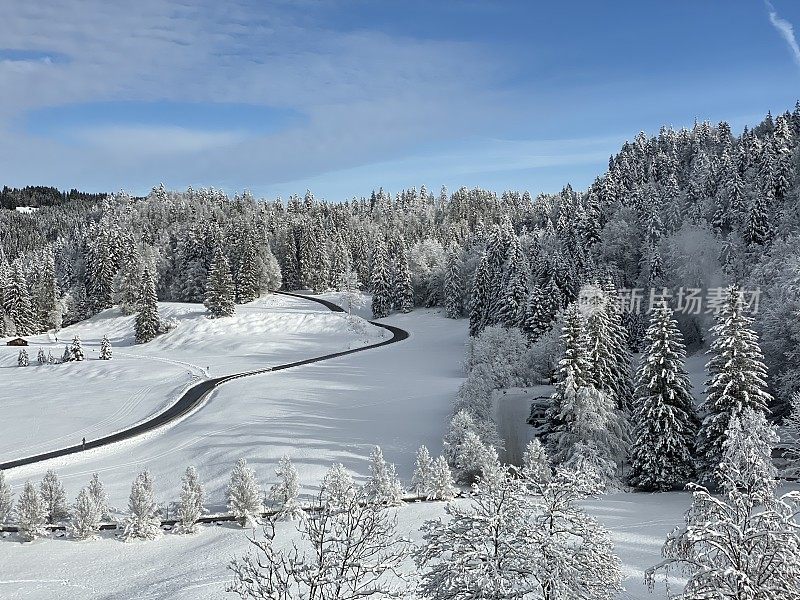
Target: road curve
(195, 395)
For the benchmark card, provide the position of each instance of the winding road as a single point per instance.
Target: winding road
(195, 395)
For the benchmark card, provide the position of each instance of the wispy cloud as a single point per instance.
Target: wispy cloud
(786, 30)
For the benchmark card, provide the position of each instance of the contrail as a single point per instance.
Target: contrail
(786, 30)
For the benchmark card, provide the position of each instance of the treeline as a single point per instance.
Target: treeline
(38, 196)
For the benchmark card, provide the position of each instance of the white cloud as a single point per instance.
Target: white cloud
(138, 142)
(785, 29)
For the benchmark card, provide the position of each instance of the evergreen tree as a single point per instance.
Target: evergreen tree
(98, 495)
(758, 226)
(247, 284)
(67, 356)
(17, 302)
(479, 298)
(454, 284)
(383, 486)
(441, 485)
(147, 322)
(422, 471)
(511, 307)
(403, 290)
(219, 298)
(381, 293)
(41, 358)
(54, 498)
(285, 494)
(85, 517)
(6, 501)
(191, 505)
(244, 494)
(31, 513)
(540, 310)
(22, 359)
(664, 421)
(76, 348)
(143, 521)
(105, 348)
(737, 381)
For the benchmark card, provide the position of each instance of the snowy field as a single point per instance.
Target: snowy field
(398, 395)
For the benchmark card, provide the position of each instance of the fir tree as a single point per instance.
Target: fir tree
(67, 356)
(22, 359)
(285, 494)
(737, 380)
(247, 284)
(479, 298)
(41, 358)
(17, 302)
(441, 485)
(219, 297)
(244, 494)
(664, 421)
(383, 486)
(105, 348)
(422, 471)
(147, 322)
(76, 348)
(54, 498)
(454, 284)
(511, 307)
(98, 495)
(85, 517)
(191, 505)
(143, 520)
(6, 501)
(381, 293)
(31, 513)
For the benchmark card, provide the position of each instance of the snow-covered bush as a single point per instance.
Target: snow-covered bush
(244, 494)
(464, 449)
(285, 493)
(338, 486)
(499, 351)
(427, 263)
(348, 551)
(191, 505)
(511, 544)
(143, 520)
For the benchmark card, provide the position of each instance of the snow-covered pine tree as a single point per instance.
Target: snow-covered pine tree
(744, 543)
(381, 292)
(664, 420)
(31, 514)
(85, 522)
(147, 322)
(541, 309)
(105, 348)
(54, 499)
(143, 520)
(285, 493)
(536, 465)
(338, 487)
(479, 297)
(441, 485)
(219, 297)
(454, 284)
(247, 284)
(67, 356)
(244, 494)
(383, 486)
(737, 381)
(6, 501)
(50, 358)
(76, 348)
(41, 357)
(191, 505)
(22, 358)
(17, 302)
(514, 294)
(98, 495)
(403, 289)
(423, 466)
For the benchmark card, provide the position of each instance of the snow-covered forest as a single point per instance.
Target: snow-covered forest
(689, 244)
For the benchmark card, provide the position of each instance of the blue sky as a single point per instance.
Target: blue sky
(343, 97)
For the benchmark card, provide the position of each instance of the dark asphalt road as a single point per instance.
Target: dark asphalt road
(197, 393)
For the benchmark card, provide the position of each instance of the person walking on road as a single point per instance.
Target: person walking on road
(83, 444)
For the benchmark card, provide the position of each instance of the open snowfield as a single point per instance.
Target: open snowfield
(398, 395)
(53, 406)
